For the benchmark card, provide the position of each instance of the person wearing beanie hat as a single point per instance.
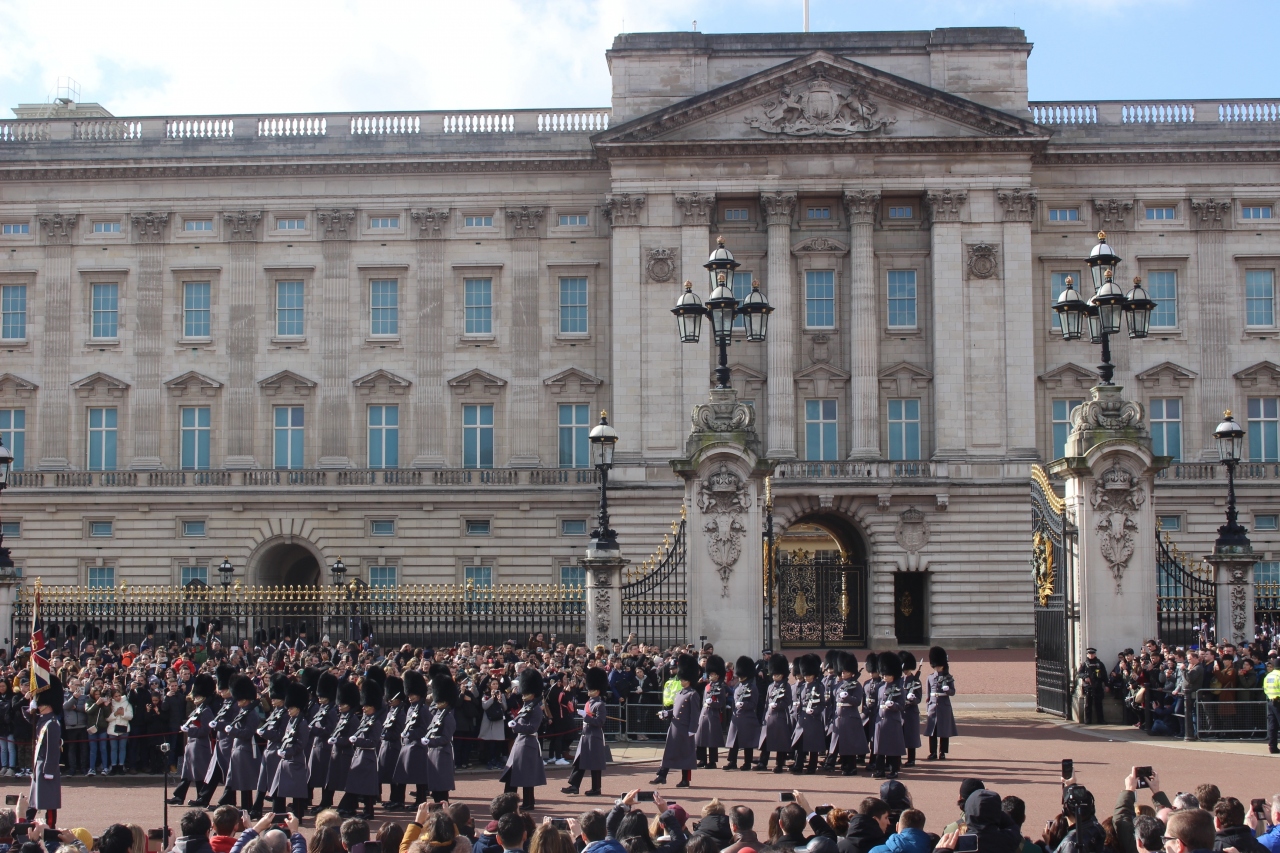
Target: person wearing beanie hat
(439, 737)
(593, 752)
(744, 721)
(679, 751)
(341, 750)
(776, 734)
(941, 722)
(710, 734)
(242, 730)
(322, 719)
(221, 761)
(389, 749)
(362, 779)
(46, 778)
(272, 731)
(848, 738)
(871, 704)
(912, 692)
(411, 762)
(197, 754)
(291, 770)
(810, 735)
(889, 743)
(524, 765)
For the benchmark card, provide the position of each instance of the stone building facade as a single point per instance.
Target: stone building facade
(291, 338)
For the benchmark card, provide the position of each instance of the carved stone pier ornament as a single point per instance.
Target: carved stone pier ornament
(334, 223)
(983, 261)
(431, 222)
(1209, 213)
(242, 226)
(695, 208)
(1239, 601)
(722, 499)
(945, 205)
(1106, 412)
(149, 226)
(524, 220)
(58, 228)
(1112, 212)
(861, 205)
(622, 209)
(723, 414)
(660, 265)
(1019, 205)
(1116, 497)
(912, 532)
(821, 109)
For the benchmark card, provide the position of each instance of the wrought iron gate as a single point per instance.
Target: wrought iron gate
(820, 600)
(1186, 597)
(655, 598)
(1051, 573)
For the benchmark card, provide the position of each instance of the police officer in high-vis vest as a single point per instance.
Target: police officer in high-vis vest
(1271, 689)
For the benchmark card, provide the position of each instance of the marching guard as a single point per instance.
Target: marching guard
(292, 774)
(871, 705)
(679, 751)
(341, 750)
(593, 752)
(242, 732)
(524, 765)
(362, 781)
(46, 780)
(439, 737)
(220, 764)
(710, 735)
(912, 693)
(389, 749)
(848, 737)
(323, 719)
(744, 723)
(271, 732)
(810, 735)
(941, 723)
(830, 678)
(776, 736)
(889, 743)
(198, 753)
(411, 762)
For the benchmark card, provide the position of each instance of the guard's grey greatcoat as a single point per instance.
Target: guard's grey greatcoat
(848, 737)
(222, 741)
(941, 722)
(776, 736)
(362, 780)
(913, 693)
(889, 740)
(593, 753)
(272, 731)
(411, 763)
(680, 752)
(198, 753)
(321, 723)
(389, 748)
(243, 731)
(744, 724)
(341, 752)
(439, 740)
(292, 775)
(710, 723)
(829, 683)
(810, 734)
(524, 764)
(46, 780)
(871, 706)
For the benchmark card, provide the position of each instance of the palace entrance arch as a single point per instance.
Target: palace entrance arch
(820, 597)
(285, 561)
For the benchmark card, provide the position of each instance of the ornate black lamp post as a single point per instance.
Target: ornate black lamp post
(339, 570)
(722, 308)
(1101, 313)
(603, 437)
(226, 570)
(1232, 536)
(6, 467)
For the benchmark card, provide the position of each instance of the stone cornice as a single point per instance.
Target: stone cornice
(825, 146)
(1082, 156)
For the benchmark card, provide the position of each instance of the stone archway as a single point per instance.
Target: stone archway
(823, 578)
(286, 561)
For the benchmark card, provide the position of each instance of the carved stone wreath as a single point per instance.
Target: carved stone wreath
(661, 265)
(722, 498)
(1116, 497)
(983, 261)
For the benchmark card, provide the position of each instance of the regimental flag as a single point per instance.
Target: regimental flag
(39, 659)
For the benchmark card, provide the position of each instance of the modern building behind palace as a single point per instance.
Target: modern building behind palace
(285, 339)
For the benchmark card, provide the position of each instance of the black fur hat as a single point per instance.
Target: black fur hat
(348, 694)
(687, 669)
(109, 636)
(149, 629)
(371, 693)
(327, 686)
(890, 665)
(224, 675)
(848, 663)
(308, 676)
(242, 689)
(393, 689)
(811, 665)
(260, 637)
(415, 684)
(377, 675)
(778, 664)
(72, 631)
(91, 631)
(908, 660)
(744, 668)
(937, 656)
(296, 696)
(203, 686)
(715, 664)
(439, 669)
(873, 663)
(597, 679)
(188, 632)
(530, 682)
(51, 630)
(832, 660)
(51, 695)
(279, 686)
(444, 689)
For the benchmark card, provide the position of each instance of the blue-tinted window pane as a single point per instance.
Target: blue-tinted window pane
(1264, 424)
(290, 320)
(195, 438)
(1163, 287)
(1260, 297)
(902, 298)
(384, 436)
(904, 429)
(382, 576)
(1166, 427)
(13, 312)
(195, 573)
(13, 433)
(479, 575)
(741, 290)
(195, 309)
(573, 306)
(1064, 214)
(105, 305)
(478, 306)
(102, 440)
(821, 430)
(1061, 420)
(820, 299)
(384, 301)
(289, 433)
(1161, 213)
(477, 436)
(573, 576)
(102, 577)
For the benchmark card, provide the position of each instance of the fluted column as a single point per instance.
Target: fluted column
(1019, 210)
(145, 398)
(695, 245)
(1215, 386)
(335, 319)
(623, 211)
(949, 357)
(427, 397)
(864, 332)
(781, 431)
(242, 338)
(54, 422)
(524, 421)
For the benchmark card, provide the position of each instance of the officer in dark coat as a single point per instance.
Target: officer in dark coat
(46, 779)
(272, 732)
(524, 764)
(242, 731)
(715, 696)
(341, 752)
(848, 737)
(389, 748)
(679, 752)
(810, 735)
(221, 762)
(889, 744)
(593, 752)
(439, 737)
(871, 703)
(1093, 681)
(942, 721)
(913, 692)
(411, 762)
(292, 774)
(830, 678)
(323, 719)
(198, 753)
(744, 723)
(362, 781)
(776, 736)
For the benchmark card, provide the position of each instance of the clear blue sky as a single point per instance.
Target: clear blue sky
(292, 56)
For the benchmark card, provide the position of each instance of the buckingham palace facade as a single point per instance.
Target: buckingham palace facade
(285, 339)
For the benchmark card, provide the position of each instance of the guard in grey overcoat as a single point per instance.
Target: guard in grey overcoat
(242, 729)
(679, 753)
(222, 742)
(198, 752)
(46, 778)
(362, 780)
(889, 744)
(341, 752)
(744, 722)
(411, 762)
(322, 718)
(913, 692)
(810, 735)
(389, 748)
(776, 735)
(941, 723)
(715, 696)
(292, 774)
(593, 752)
(439, 737)
(871, 702)
(271, 731)
(830, 678)
(524, 764)
(848, 738)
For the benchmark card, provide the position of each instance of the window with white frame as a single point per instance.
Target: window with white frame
(818, 213)
(197, 225)
(101, 577)
(291, 224)
(478, 306)
(573, 580)
(480, 577)
(741, 290)
(1060, 417)
(573, 306)
(13, 312)
(901, 211)
(904, 429)
(1267, 521)
(195, 438)
(1064, 214)
(384, 436)
(736, 214)
(195, 573)
(382, 527)
(288, 430)
(479, 527)
(477, 436)
(1260, 298)
(290, 313)
(384, 307)
(477, 222)
(13, 432)
(568, 527)
(105, 310)
(195, 309)
(378, 222)
(1166, 427)
(101, 529)
(11, 529)
(821, 431)
(15, 228)
(820, 299)
(101, 227)
(194, 527)
(1162, 285)
(1256, 211)
(902, 299)
(1161, 212)
(573, 219)
(575, 426)
(1057, 284)
(1170, 523)
(1264, 429)
(382, 576)
(102, 439)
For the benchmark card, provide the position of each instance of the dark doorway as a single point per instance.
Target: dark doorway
(909, 607)
(288, 564)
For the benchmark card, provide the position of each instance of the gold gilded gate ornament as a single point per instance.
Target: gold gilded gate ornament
(1042, 564)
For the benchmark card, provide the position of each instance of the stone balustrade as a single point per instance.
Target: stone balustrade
(345, 478)
(1217, 472)
(1153, 112)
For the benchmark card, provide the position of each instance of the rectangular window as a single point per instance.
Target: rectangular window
(902, 299)
(568, 527)
(736, 214)
(821, 431)
(197, 225)
(195, 309)
(1161, 213)
(573, 306)
(1259, 298)
(1166, 427)
(478, 527)
(478, 576)
(900, 211)
(741, 290)
(17, 228)
(195, 573)
(288, 429)
(1260, 522)
(384, 222)
(193, 528)
(106, 228)
(1264, 424)
(102, 440)
(478, 304)
(574, 428)
(573, 219)
(382, 576)
(1057, 284)
(105, 306)
(384, 307)
(101, 529)
(477, 436)
(382, 527)
(1267, 572)
(1062, 425)
(573, 577)
(290, 319)
(477, 221)
(1163, 287)
(291, 224)
(13, 312)
(818, 213)
(195, 438)
(1171, 523)
(820, 299)
(1256, 211)
(1064, 214)
(102, 577)
(904, 430)
(384, 436)
(11, 529)
(13, 433)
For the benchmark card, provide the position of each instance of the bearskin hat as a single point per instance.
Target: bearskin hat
(415, 684)
(908, 660)
(52, 695)
(715, 664)
(308, 676)
(260, 637)
(848, 663)
(203, 686)
(242, 689)
(393, 689)
(296, 696)
(530, 682)
(109, 636)
(377, 675)
(437, 669)
(187, 632)
(687, 669)
(937, 656)
(444, 689)
(890, 665)
(811, 665)
(224, 675)
(779, 665)
(597, 679)
(371, 693)
(327, 686)
(74, 631)
(279, 686)
(348, 694)
(744, 668)
(51, 631)
(873, 663)
(832, 660)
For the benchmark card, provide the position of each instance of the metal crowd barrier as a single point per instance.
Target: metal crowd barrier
(1239, 719)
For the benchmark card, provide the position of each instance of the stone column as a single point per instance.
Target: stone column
(1019, 210)
(1233, 574)
(145, 397)
(428, 395)
(623, 210)
(949, 357)
(1210, 217)
(334, 401)
(526, 338)
(604, 595)
(778, 208)
(695, 246)
(55, 421)
(864, 331)
(242, 338)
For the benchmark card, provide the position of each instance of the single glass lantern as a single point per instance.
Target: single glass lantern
(1138, 306)
(603, 438)
(1230, 439)
(689, 312)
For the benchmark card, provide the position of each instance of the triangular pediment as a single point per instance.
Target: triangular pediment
(905, 379)
(821, 379)
(1166, 374)
(1070, 377)
(12, 385)
(818, 98)
(1264, 374)
(381, 381)
(286, 381)
(476, 381)
(574, 379)
(192, 383)
(100, 385)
